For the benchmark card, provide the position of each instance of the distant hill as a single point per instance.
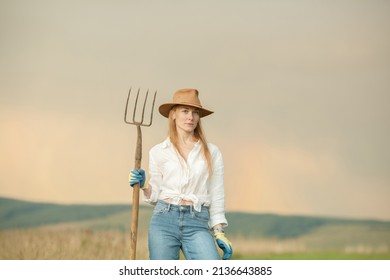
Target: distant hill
(278, 226)
(24, 214)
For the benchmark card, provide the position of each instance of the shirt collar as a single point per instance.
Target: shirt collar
(167, 143)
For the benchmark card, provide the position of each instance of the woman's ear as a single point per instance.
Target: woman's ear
(173, 114)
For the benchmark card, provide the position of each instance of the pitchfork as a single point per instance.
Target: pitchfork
(138, 158)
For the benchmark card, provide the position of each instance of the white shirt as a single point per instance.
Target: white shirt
(174, 178)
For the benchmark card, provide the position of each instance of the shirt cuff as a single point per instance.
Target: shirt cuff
(218, 219)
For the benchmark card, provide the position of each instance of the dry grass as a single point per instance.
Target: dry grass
(72, 243)
(67, 242)
(256, 246)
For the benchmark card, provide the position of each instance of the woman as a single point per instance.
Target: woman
(186, 186)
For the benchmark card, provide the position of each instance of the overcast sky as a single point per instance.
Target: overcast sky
(300, 90)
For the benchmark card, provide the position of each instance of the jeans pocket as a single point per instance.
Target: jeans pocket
(160, 208)
(202, 216)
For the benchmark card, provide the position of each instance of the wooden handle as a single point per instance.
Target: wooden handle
(134, 222)
(135, 204)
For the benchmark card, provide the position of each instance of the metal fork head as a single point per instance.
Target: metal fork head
(141, 122)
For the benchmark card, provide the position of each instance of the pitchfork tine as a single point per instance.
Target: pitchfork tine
(135, 107)
(127, 105)
(151, 115)
(143, 108)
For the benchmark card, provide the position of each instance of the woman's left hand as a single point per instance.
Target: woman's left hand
(224, 244)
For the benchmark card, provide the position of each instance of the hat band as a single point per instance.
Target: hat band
(189, 104)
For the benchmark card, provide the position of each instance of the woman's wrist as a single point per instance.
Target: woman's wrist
(147, 191)
(218, 229)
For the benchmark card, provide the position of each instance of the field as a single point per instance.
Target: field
(72, 243)
(46, 232)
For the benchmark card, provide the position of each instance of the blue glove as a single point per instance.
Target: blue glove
(224, 244)
(137, 177)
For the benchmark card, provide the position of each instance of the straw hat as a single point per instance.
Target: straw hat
(185, 97)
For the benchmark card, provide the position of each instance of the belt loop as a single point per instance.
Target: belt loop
(169, 207)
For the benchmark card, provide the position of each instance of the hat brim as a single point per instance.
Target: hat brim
(164, 109)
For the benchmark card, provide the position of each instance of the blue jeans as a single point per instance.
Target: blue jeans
(179, 227)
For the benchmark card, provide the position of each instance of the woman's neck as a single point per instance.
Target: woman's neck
(186, 143)
(185, 138)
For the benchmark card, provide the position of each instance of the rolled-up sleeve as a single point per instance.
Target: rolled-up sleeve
(217, 192)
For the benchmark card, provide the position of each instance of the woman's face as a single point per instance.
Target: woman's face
(186, 117)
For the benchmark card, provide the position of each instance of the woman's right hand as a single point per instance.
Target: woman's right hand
(137, 177)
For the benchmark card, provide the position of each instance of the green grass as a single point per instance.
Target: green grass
(314, 256)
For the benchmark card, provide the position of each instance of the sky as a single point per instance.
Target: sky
(300, 90)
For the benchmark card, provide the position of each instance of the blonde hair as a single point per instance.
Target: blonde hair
(199, 135)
